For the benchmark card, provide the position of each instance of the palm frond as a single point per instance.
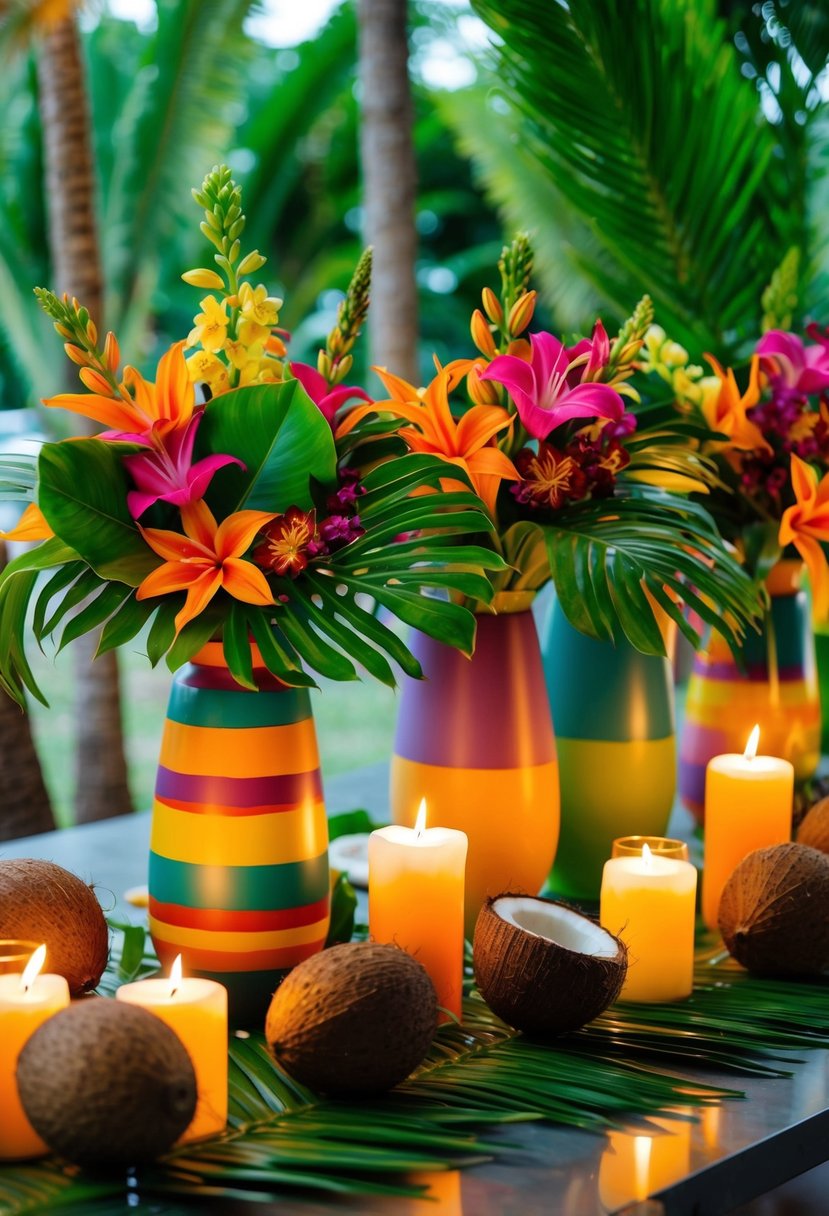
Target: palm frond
(283, 1136)
(626, 138)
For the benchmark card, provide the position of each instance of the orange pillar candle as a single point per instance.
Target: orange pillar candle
(415, 899)
(649, 902)
(748, 806)
(27, 999)
(196, 1009)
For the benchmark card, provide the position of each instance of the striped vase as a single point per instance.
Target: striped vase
(613, 710)
(239, 848)
(476, 740)
(778, 690)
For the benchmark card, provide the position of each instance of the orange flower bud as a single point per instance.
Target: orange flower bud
(112, 354)
(482, 392)
(63, 330)
(492, 306)
(92, 331)
(95, 382)
(521, 348)
(76, 354)
(521, 312)
(482, 335)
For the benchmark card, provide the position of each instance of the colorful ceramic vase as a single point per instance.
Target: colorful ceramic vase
(475, 739)
(239, 849)
(613, 711)
(778, 690)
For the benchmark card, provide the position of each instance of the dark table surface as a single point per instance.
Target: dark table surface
(699, 1167)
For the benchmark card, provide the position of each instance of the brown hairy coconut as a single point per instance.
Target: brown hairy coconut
(105, 1083)
(42, 902)
(774, 911)
(355, 1019)
(814, 828)
(544, 968)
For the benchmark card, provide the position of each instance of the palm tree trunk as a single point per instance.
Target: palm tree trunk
(389, 180)
(101, 788)
(25, 809)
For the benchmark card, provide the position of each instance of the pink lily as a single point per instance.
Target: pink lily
(542, 392)
(328, 400)
(166, 473)
(801, 368)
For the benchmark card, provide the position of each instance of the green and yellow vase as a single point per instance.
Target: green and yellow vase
(613, 711)
(475, 739)
(777, 689)
(238, 879)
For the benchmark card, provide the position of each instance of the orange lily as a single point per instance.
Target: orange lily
(465, 442)
(725, 411)
(207, 558)
(141, 410)
(805, 525)
(32, 525)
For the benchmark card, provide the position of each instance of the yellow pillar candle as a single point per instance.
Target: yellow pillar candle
(634, 1166)
(649, 902)
(415, 899)
(196, 1010)
(27, 999)
(748, 806)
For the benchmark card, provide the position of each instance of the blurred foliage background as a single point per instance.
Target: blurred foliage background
(678, 147)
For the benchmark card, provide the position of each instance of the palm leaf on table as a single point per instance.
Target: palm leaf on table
(654, 142)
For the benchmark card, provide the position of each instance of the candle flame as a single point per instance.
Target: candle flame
(175, 976)
(642, 1162)
(647, 857)
(753, 741)
(33, 968)
(420, 822)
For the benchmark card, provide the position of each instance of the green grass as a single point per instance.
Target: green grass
(355, 723)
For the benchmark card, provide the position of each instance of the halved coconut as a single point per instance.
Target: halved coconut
(543, 967)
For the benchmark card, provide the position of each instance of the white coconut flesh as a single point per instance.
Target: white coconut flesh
(556, 924)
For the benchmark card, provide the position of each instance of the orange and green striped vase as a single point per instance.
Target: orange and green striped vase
(778, 689)
(475, 739)
(238, 878)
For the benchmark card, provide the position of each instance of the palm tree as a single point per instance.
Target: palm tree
(656, 147)
(389, 180)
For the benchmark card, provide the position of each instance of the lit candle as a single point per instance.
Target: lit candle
(27, 999)
(415, 899)
(748, 806)
(649, 901)
(634, 1166)
(196, 1009)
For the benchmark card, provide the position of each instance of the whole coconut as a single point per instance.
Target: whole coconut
(814, 829)
(105, 1083)
(42, 902)
(543, 967)
(774, 911)
(355, 1019)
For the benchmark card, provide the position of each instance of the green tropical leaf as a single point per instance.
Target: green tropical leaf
(129, 620)
(278, 655)
(110, 598)
(281, 437)
(83, 495)
(688, 219)
(236, 646)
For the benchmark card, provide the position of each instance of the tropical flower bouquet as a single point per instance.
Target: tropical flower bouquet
(214, 503)
(769, 441)
(580, 486)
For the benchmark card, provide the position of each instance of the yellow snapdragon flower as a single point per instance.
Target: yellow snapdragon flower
(207, 368)
(240, 355)
(210, 325)
(259, 313)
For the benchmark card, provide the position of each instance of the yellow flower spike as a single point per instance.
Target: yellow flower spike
(674, 355)
(240, 355)
(251, 262)
(250, 333)
(210, 325)
(521, 312)
(202, 277)
(482, 335)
